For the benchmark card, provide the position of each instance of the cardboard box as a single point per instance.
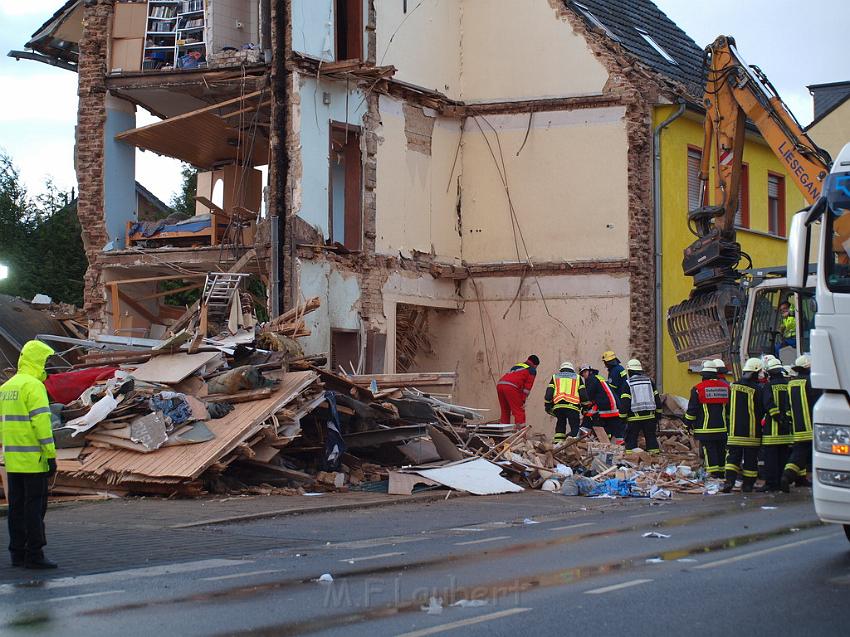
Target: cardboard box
(130, 20)
(127, 55)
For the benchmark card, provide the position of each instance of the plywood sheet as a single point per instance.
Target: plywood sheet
(190, 461)
(478, 477)
(172, 368)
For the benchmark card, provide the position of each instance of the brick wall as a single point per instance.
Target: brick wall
(91, 118)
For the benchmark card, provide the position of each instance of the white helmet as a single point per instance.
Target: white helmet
(803, 362)
(772, 364)
(568, 365)
(709, 367)
(719, 364)
(753, 365)
(634, 365)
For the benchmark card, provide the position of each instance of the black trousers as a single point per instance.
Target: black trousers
(567, 417)
(800, 460)
(713, 455)
(742, 461)
(649, 428)
(775, 458)
(614, 427)
(27, 495)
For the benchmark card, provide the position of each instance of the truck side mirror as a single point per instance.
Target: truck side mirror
(798, 251)
(799, 241)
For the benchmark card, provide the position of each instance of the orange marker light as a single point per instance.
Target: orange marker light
(842, 450)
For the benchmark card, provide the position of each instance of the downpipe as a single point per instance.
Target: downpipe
(656, 202)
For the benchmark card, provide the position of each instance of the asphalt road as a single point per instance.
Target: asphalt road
(508, 565)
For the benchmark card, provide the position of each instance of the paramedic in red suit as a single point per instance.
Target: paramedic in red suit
(513, 389)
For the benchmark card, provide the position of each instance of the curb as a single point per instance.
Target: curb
(342, 506)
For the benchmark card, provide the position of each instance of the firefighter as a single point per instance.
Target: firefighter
(801, 398)
(513, 389)
(563, 399)
(706, 417)
(746, 410)
(30, 455)
(602, 406)
(617, 375)
(776, 434)
(640, 407)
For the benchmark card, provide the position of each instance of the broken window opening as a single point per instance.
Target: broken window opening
(658, 48)
(345, 350)
(345, 191)
(349, 29)
(411, 336)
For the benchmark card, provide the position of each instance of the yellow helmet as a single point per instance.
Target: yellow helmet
(608, 356)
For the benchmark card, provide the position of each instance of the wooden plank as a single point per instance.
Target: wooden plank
(185, 288)
(189, 461)
(141, 309)
(405, 380)
(116, 309)
(241, 397)
(172, 368)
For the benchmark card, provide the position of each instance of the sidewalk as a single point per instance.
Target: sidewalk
(95, 536)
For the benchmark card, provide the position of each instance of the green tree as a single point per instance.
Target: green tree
(184, 200)
(40, 240)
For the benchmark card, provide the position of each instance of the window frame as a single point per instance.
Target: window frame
(744, 197)
(353, 29)
(357, 246)
(705, 196)
(656, 46)
(591, 17)
(780, 230)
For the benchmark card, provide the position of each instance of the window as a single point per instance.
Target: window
(767, 330)
(651, 41)
(742, 215)
(349, 29)
(838, 228)
(776, 204)
(344, 217)
(345, 350)
(595, 21)
(694, 160)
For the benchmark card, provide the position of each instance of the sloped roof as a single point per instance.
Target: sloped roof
(828, 97)
(623, 18)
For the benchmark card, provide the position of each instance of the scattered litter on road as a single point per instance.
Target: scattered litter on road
(528, 521)
(434, 607)
(470, 603)
(655, 560)
(766, 508)
(325, 578)
(656, 534)
(686, 559)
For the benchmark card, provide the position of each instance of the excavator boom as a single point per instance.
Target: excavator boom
(707, 324)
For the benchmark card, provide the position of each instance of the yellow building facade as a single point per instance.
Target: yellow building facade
(764, 246)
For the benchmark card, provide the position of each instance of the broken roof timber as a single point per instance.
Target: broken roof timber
(206, 137)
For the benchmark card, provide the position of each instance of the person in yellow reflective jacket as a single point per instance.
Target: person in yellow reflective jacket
(564, 396)
(29, 453)
(801, 398)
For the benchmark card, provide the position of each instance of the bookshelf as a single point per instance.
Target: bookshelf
(175, 35)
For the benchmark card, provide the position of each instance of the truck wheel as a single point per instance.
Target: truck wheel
(847, 531)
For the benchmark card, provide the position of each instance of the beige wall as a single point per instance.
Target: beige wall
(426, 46)
(594, 308)
(568, 186)
(416, 207)
(487, 50)
(520, 49)
(833, 131)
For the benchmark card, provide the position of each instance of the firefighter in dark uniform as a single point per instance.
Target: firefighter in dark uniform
(640, 407)
(564, 396)
(746, 409)
(617, 375)
(602, 407)
(706, 417)
(776, 435)
(801, 397)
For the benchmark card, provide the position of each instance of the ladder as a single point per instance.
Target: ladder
(219, 290)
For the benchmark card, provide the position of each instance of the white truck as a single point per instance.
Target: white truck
(830, 337)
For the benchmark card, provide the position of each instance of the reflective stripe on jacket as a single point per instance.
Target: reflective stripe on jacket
(599, 393)
(802, 397)
(27, 434)
(746, 409)
(565, 391)
(777, 424)
(636, 384)
(520, 376)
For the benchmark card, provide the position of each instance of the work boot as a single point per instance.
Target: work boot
(767, 487)
(727, 487)
(785, 481)
(747, 485)
(39, 563)
(17, 559)
(802, 481)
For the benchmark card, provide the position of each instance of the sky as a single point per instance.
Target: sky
(795, 42)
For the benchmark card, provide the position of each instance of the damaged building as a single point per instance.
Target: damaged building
(462, 183)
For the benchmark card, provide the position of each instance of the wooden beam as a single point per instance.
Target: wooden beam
(151, 279)
(209, 205)
(185, 288)
(116, 310)
(138, 307)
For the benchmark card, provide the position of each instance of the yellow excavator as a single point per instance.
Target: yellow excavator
(733, 312)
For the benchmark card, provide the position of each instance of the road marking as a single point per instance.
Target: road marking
(433, 630)
(235, 575)
(483, 540)
(772, 549)
(616, 587)
(69, 598)
(571, 526)
(465, 529)
(372, 557)
(102, 578)
(643, 515)
(375, 542)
